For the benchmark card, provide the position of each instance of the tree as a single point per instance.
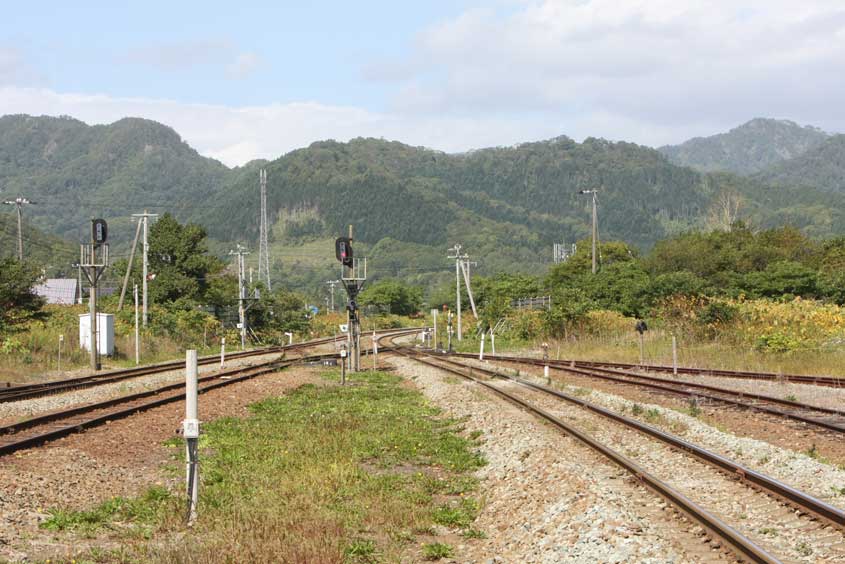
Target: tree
(179, 264)
(17, 301)
(397, 297)
(278, 311)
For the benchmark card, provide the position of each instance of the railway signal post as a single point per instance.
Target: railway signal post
(93, 260)
(353, 276)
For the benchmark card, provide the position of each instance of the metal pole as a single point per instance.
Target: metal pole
(434, 324)
(595, 230)
(641, 349)
(674, 356)
(20, 232)
(458, 293)
(342, 365)
(191, 432)
(144, 268)
(92, 312)
(137, 333)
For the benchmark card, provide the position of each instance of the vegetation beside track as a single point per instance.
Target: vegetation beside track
(361, 473)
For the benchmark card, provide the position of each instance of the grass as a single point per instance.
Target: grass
(324, 474)
(437, 550)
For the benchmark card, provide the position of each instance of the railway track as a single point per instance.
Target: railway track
(825, 418)
(28, 391)
(50, 426)
(831, 381)
(814, 518)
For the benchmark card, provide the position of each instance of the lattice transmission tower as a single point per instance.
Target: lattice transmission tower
(263, 246)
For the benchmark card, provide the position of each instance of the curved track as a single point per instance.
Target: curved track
(28, 391)
(825, 418)
(745, 547)
(50, 426)
(831, 381)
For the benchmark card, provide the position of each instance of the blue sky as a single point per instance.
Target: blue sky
(257, 79)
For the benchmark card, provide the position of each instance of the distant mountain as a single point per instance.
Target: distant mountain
(822, 167)
(747, 149)
(505, 205)
(76, 171)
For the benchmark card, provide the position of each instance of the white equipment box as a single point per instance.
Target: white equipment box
(105, 333)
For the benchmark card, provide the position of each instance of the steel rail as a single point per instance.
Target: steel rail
(690, 389)
(225, 378)
(830, 381)
(28, 391)
(741, 544)
(797, 498)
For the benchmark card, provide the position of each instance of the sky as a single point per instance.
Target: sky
(245, 80)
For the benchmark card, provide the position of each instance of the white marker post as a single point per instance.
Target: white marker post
(290, 338)
(61, 340)
(481, 351)
(191, 432)
(375, 352)
(492, 341)
(343, 365)
(674, 356)
(222, 351)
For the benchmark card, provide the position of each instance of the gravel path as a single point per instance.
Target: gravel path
(123, 458)
(12, 412)
(547, 498)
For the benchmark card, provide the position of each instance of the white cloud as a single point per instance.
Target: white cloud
(657, 68)
(182, 56)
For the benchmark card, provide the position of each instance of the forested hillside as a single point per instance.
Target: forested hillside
(822, 167)
(49, 252)
(749, 148)
(506, 205)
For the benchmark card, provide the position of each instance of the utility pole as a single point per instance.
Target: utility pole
(241, 252)
(465, 267)
(332, 284)
(263, 245)
(129, 266)
(595, 237)
(458, 259)
(19, 202)
(137, 335)
(145, 217)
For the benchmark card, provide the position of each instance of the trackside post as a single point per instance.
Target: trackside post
(191, 432)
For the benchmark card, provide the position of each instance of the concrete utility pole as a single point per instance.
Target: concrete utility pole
(458, 259)
(332, 284)
(263, 245)
(19, 202)
(145, 217)
(137, 335)
(241, 252)
(595, 237)
(465, 267)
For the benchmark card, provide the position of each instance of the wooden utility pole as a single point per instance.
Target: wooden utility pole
(19, 202)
